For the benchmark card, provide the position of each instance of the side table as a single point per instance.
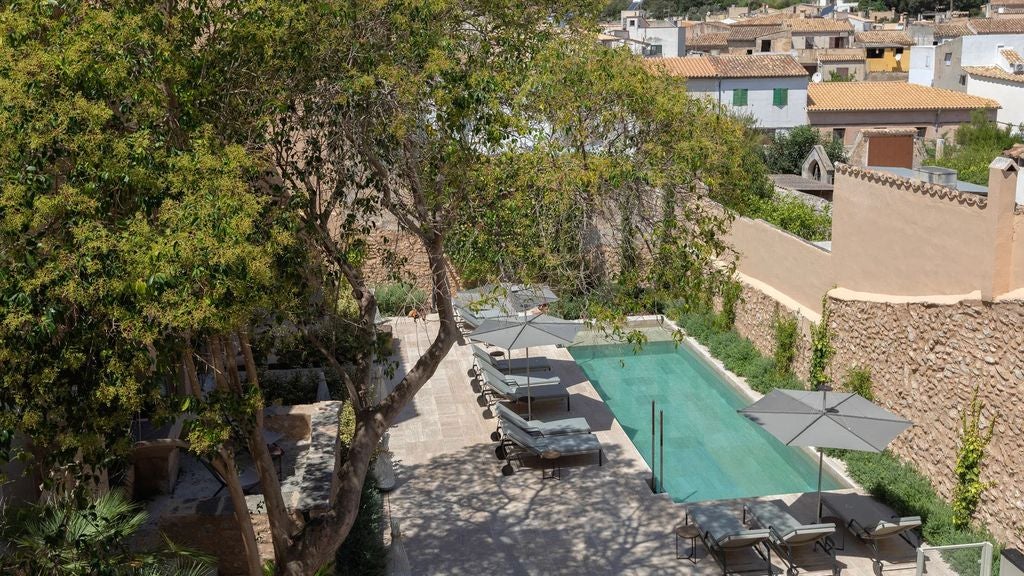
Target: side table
(555, 472)
(691, 532)
(840, 531)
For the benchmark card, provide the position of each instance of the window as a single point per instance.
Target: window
(963, 79)
(739, 97)
(947, 58)
(749, 51)
(632, 23)
(766, 45)
(876, 53)
(843, 71)
(921, 131)
(653, 50)
(780, 97)
(839, 134)
(898, 50)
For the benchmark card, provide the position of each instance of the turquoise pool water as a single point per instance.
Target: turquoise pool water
(711, 452)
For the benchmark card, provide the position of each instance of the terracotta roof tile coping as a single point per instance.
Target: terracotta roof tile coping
(922, 188)
(841, 55)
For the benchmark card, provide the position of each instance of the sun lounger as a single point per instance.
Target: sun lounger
(787, 533)
(468, 317)
(549, 447)
(536, 391)
(871, 522)
(539, 428)
(518, 379)
(514, 366)
(723, 534)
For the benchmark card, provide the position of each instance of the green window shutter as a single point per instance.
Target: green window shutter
(739, 97)
(780, 97)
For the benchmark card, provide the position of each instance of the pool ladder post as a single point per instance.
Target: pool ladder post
(654, 481)
(661, 443)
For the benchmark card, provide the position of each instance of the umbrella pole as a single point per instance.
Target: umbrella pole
(821, 457)
(529, 392)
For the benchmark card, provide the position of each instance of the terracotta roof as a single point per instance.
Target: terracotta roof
(997, 25)
(819, 25)
(953, 29)
(994, 72)
(841, 55)
(741, 33)
(1012, 56)
(758, 66)
(884, 38)
(686, 66)
(709, 40)
(752, 66)
(763, 20)
(888, 96)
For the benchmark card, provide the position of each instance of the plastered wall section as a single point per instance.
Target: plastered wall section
(791, 265)
(898, 237)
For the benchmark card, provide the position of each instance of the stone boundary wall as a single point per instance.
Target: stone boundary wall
(926, 360)
(926, 357)
(755, 320)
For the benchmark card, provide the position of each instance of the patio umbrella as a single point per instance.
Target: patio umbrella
(825, 420)
(516, 333)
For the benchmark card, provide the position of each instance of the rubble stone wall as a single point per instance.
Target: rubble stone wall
(926, 358)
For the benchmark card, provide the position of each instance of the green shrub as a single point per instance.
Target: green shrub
(858, 381)
(793, 215)
(398, 299)
(732, 293)
(785, 342)
(738, 354)
(973, 441)
(822, 350)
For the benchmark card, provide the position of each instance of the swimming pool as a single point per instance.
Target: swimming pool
(711, 452)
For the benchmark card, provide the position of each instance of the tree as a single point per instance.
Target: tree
(183, 174)
(786, 152)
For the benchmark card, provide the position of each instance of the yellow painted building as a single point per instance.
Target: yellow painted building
(885, 50)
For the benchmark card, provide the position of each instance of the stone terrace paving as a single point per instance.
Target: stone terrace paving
(459, 515)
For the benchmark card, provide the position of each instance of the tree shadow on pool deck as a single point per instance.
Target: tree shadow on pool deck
(459, 515)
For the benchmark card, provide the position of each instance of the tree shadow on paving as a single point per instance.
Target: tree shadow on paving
(460, 515)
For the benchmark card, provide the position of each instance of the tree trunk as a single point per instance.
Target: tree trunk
(316, 544)
(225, 465)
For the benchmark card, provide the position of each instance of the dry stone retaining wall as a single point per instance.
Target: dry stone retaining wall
(755, 320)
(926, 360)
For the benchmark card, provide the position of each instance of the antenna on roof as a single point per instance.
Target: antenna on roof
(816, 77)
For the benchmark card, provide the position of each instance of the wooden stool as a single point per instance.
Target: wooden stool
(688, 531)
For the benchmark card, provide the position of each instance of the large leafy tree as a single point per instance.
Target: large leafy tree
(177, 175)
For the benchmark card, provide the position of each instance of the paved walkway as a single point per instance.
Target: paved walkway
(459, 515)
